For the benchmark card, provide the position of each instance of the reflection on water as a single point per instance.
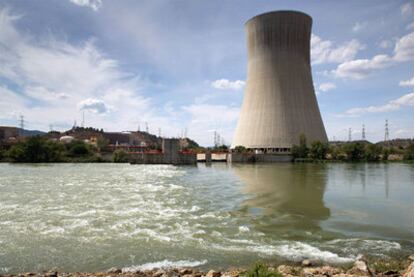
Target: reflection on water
(287, 198)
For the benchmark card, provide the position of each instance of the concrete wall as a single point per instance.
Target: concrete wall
(170, 155)
(261, 158)
(279, 101)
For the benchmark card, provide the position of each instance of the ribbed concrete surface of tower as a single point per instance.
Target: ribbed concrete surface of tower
(279, 100)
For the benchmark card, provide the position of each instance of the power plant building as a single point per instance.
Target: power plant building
(279, 100)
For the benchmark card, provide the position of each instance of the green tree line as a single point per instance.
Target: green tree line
(349, 151)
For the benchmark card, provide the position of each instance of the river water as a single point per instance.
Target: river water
(90, 217)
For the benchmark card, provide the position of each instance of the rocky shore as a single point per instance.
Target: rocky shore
(307, 268)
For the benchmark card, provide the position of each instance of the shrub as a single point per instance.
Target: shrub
(120, 156)
(240, 149)
(354, 151)
(261, 270)
(78, 148)
(373, 152)
(301, 150)
(318, 150)
(409, 152)
(36, 150)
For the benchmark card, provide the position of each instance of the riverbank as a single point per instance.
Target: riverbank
(308, 268)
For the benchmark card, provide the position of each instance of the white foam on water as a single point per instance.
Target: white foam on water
(293, 251)
(355, 245)
(244, 229)
(164, 264)
(298, 251)
(55, 230)
(195, 209)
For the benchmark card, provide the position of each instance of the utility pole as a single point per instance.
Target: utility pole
(363, 131)
(350, 134)
(146, 127)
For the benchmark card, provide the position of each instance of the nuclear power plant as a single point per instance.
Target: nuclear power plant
(279, 100)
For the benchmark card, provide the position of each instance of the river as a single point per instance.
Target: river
(90, 217)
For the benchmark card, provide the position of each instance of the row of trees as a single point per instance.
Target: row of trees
(39, 149)
(351, 151)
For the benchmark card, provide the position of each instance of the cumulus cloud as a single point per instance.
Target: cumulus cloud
(325, 51)
(326, 86)
(396, 104)
(54, 79)
(410, 26)
(407, 9)
(407, 83)
(94, 105)
(362, 68)
(93, 4)
(226, 84)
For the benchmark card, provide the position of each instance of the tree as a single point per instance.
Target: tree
(354, 151)
(301, 150)
(36, 150)
(120, 156)
(409, 152)
(318, 150)
(373, 152)
(78, 148)
(102, 143)
(240, 149)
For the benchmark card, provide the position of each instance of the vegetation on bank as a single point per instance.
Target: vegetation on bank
(350, 151)
(40, 150)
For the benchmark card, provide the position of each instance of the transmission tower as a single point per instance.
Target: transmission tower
(159, 132)
(363, 131)
(350, 134)
(387, 131)
(21, 125)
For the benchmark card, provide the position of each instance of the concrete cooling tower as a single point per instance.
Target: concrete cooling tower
(279, 100)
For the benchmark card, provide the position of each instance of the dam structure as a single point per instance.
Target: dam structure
(279, 100)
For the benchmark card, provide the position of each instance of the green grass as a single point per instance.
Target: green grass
(261, 270)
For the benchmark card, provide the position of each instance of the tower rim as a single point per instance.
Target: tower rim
(279, 12)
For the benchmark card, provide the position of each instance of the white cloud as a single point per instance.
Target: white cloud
(404, 48)
(325, 51)
(362, 68)
(407, 83)
(358, 26)
(93, 4)
(410, 26)
(94, 105)
(405, 100)
(407, 9)
(326, 86)
(226, 84)
(207, 117)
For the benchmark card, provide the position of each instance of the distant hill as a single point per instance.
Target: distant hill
(397, 143)
(9, 131)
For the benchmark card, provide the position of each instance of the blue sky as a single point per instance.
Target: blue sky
(181, 65)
